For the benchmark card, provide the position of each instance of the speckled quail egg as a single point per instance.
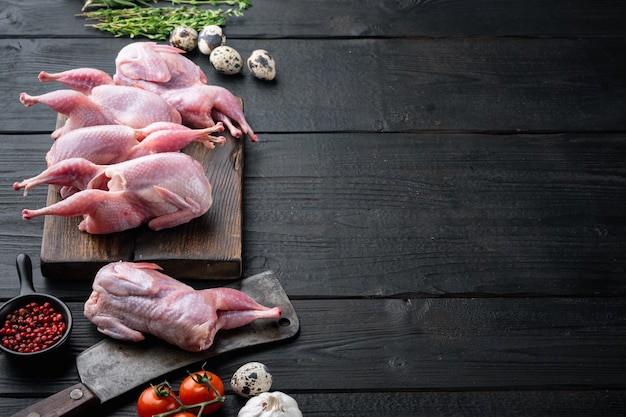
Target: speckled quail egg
(251, 379)
(226, 60)
(184, 37)
(210, 38)
(262, 65)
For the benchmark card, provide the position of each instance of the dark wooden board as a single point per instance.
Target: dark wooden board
(438, 85)
(556, 403)
(401, 348)
(423, 344)
(469, 214)
(387, 214)
(207, 247)
(360, 18)
(462, 154)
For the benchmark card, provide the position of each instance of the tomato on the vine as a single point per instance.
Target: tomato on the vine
(156, 400)
(183, 414)
(195, 389)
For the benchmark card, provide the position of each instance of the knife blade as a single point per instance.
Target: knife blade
(111, 368)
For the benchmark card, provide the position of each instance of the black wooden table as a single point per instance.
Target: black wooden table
(439, 185)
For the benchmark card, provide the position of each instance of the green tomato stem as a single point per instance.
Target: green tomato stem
(201, 406)
(204, 380)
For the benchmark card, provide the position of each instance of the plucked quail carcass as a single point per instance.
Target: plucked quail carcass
(110, 144)
(106, 104)
(163, 190)
(130, 300)
(163, 70)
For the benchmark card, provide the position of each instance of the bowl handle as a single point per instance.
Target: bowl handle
(25, 274)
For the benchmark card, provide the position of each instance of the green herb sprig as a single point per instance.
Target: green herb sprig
(157, 22)
(93, 4)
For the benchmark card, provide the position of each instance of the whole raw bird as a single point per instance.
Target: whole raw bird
(110, 144)
(164, 70)
(106, 104)
(163, 190)
(131, 299)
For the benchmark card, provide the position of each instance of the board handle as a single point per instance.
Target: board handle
(67, 403)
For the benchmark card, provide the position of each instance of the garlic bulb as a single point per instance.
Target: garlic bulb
(270, 404)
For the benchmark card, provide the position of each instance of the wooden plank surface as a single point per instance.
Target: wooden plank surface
(438, 184)
(472, 214)
(417, 345)
(439, 214)
(438, 85)
(536, 403)
(424, 344)
(269, 19)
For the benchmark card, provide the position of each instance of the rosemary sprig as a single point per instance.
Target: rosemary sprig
(155, 22)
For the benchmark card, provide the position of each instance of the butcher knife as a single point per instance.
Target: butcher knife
(111, 368)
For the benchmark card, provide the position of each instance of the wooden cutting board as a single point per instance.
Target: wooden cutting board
(208, 247)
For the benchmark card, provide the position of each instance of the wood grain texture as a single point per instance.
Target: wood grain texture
(379, 85)
(559, 403)
(502, 345)
(381, 214)
(361, 18)
(432, 214)
(439, 185)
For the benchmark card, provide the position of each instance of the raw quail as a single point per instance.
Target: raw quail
(106, 104)
(163, 70)
(110, 144)
(132, 299)
(163, 190)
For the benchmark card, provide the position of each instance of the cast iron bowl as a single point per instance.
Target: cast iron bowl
(28, 295)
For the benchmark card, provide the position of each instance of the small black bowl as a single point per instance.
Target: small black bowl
(28, 295)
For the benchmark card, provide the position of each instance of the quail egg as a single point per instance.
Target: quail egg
(210, 38)
(251, 379)
(262, 65)
(226, 60)
(184, 37)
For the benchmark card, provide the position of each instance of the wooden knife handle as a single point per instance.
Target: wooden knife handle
(67, 403)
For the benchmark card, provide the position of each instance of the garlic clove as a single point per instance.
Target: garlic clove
(271, 404)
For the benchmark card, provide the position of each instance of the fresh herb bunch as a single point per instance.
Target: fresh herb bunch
(93, 4)
(136, 18)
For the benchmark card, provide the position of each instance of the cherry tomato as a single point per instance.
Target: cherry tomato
(183, 414)
(156, 400)
(195, 389)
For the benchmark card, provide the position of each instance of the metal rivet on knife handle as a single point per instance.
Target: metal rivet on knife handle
(76, 394)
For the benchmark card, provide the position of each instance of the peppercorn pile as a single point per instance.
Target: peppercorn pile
(32, 328)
